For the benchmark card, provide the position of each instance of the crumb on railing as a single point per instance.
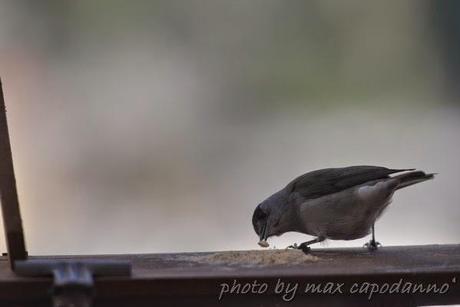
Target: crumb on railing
(257, 257)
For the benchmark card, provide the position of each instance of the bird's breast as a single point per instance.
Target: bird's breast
(345, 215)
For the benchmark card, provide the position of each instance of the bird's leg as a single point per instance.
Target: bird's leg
(372, 245)
(305, 245)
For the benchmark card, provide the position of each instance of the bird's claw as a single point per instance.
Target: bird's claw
(303, 247)
(372, 245)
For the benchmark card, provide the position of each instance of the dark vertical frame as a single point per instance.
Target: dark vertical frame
(9, 197)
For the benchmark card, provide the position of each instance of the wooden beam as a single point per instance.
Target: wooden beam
(197, 278)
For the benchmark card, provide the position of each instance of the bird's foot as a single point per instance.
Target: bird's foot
(372, 245)
(303, 247)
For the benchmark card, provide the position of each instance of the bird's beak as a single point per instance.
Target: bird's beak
(264, 233)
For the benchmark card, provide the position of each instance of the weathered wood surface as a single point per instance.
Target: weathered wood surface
(197, 277)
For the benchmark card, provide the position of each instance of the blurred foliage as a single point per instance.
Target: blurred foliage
(271, 52)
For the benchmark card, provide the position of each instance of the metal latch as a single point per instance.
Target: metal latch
(73, 281)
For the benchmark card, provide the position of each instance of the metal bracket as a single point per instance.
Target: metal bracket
(73, 281)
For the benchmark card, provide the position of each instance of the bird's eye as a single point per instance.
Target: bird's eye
(260, 214)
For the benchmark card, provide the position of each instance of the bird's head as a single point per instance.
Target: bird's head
(270, 217)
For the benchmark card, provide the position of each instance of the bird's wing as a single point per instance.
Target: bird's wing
(332, 180)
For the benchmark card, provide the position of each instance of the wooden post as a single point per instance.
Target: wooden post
(9, 198)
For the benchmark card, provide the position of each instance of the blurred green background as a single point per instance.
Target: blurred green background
(158, 126)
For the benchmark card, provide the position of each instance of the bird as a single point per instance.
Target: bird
(333, 203)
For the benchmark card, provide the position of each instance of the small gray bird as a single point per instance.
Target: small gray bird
(332, 203)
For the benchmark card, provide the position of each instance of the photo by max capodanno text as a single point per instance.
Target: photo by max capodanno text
(288, 290)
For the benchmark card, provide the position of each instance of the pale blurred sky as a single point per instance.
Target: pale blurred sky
(158, 126)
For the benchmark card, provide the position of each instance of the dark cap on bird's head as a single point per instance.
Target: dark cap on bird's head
(259, 221)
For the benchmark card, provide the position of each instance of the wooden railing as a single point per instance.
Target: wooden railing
(325, 277)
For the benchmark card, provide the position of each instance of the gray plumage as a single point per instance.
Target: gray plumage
(333, 203)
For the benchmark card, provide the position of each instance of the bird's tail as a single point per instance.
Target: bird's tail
(411, 178)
